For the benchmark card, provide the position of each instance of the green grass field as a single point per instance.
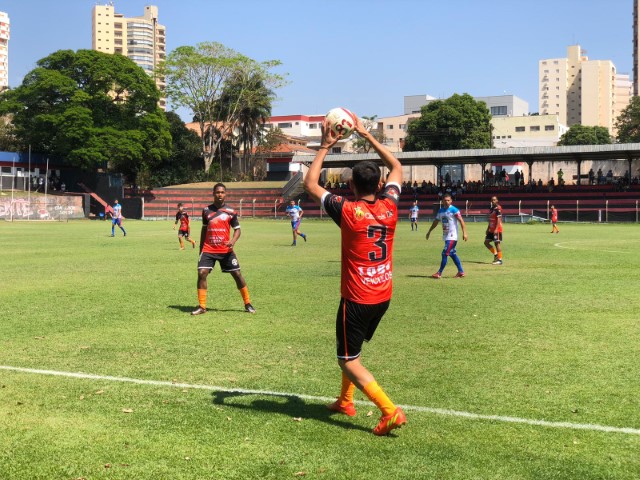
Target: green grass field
(552, 335)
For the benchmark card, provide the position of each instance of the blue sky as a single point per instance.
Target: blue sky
(363, 55)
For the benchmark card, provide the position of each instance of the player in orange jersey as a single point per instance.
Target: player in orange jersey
(367, 227)
(216, 246)
(185, 227)
(554, 220)
(494, 231)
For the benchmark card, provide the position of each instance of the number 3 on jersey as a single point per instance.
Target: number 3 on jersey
(372, 232)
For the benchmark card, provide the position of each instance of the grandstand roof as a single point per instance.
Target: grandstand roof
(620, 151)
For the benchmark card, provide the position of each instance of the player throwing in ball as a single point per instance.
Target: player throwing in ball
(185, 227)
(216, 246)
(367, 227)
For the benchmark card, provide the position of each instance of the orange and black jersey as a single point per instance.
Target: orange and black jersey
(183, 217)
(218, 222)
(367, 231)
(495, 219)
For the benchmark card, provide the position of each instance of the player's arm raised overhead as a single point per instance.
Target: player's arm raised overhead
(391, 162)
(311, 186)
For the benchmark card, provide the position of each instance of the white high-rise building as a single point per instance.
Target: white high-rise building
(4, 50)
(142, 39)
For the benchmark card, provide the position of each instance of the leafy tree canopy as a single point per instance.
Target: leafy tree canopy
(628, 123)
(585, 135)
(92, 109)
(459, 122)
(217, 84)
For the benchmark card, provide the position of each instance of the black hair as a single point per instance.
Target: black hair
(179, 204)
(366, 177)
(447, 195)
(219, 184)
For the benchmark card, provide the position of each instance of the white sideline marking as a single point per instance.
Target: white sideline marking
(437, 411)
(560, 245)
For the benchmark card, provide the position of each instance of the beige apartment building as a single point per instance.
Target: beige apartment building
(4, 50)
(142, 39)
(582, 91)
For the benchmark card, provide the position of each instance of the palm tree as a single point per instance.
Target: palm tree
(252, 99)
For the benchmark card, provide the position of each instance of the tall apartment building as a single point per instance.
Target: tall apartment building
(142, 39)
(4, 51)
(579, 90)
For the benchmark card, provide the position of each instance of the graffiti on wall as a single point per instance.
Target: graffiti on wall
(56, 208)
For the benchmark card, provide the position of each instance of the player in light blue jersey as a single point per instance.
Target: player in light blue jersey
(413, 215)
(116, 219)
(295, 212)
(449, 216)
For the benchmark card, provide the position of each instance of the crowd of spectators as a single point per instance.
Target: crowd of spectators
(502, 181)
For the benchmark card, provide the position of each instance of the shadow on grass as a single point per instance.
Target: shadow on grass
(190, 308)
(293, 407)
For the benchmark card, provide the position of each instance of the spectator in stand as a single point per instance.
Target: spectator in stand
(609, 176)
(424, 186)
(591, 177)
(517, 177)
(540, 183)
(600, 177)
(560, 177)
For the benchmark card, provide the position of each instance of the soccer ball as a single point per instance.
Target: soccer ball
(342, 121)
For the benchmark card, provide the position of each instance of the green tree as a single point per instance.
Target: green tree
(628, 123)
(459, 122)
(196, 79)
(585, 135)
(92, 109)
(8, 140)
(184, 165)
(252, 98)
(360, 145)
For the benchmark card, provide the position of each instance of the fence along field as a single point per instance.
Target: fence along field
(550, 336)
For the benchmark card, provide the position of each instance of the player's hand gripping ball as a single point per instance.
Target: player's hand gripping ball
(342, 121)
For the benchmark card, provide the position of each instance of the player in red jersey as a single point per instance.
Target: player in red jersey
(218, 219)
(367, 227)
(185, 227)
(554, 220)
(494, 231)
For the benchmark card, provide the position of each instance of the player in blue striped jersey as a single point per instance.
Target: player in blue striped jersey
(295, 212)
(449, 216)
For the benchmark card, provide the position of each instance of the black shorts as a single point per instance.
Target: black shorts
(228, 261)
(494, 237)
(356, 323)
(183, 233)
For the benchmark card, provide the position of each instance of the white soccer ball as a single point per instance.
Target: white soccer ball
(342, 121)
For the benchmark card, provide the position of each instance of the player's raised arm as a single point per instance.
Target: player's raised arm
(391, 162)
(311, 185)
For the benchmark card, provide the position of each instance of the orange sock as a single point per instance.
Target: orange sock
(202, 297)
(346, 392)
(376, 395)
(244, 291)
(492, 250)
(500, 255)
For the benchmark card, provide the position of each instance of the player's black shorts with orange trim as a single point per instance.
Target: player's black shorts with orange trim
(183, 233)
(356, 323)
(228, 261)
(494, 237)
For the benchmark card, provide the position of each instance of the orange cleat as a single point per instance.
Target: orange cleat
(389, 422)
(349, 409)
